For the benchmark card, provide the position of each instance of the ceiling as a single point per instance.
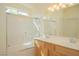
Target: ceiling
(38, 8)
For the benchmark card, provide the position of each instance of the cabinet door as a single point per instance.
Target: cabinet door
(66, 51)
(41, 49)
(37, 48)
(50, 49)
(58, 54)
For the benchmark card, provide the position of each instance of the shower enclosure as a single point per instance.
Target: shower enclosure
(20, 32)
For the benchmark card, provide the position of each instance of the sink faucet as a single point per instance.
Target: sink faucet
(73, 40)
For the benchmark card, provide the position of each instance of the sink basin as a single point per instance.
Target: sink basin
(63, 41)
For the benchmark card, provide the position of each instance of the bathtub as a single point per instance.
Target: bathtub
(20, 47)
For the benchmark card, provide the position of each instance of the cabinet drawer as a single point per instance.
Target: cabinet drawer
(50, 48)
(66, 51)
(41, 48)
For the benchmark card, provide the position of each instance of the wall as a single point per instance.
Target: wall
(2, 31)
(71, 21)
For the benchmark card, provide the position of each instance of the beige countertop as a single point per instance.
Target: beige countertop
(62, 41)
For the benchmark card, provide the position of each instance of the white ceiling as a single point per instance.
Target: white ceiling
(38, 8)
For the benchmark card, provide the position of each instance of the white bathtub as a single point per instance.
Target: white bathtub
(21, 49)
(20, 46)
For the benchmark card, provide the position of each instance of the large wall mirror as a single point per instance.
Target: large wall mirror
(66, 23)
(70, 22)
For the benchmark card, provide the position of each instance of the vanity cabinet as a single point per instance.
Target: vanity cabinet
(43, 48)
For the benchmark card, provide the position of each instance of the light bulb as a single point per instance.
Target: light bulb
(60, 4)
(63, 6)
(71, 4)
(52, 9)
(57, 7)
(49, 8)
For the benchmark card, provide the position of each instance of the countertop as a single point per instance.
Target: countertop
(62, 41)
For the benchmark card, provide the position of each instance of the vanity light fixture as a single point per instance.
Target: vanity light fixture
(51, 9)
(54, 6)
(59, 6)
(63, 6)
(71, 4)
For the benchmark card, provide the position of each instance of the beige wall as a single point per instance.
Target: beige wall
(2, 31)
(71, 21)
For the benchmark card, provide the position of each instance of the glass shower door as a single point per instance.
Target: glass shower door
(19, 32)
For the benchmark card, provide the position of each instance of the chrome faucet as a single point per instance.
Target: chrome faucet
(73, 40)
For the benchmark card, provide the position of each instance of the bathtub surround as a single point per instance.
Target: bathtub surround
(12, 27)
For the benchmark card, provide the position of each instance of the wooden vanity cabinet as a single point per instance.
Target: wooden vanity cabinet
(48, 49)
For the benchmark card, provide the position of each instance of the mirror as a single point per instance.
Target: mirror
(70, 22)
(66, 23)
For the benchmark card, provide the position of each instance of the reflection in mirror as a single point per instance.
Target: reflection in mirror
(66, 25)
